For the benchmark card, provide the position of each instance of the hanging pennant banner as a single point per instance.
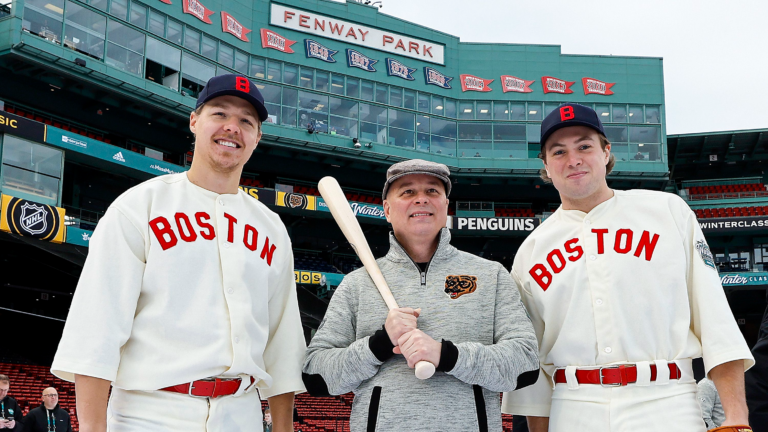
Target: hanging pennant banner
(166, 1)
(473, 83)
(515, 84)
(230, 25)
(555, 85)
(593, 86)
(395, 68)
(197, 10)
(434, 77)
(358, 60)
(270, 39)
(314, 49)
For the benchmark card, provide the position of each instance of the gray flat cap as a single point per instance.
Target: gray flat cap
(417, 166)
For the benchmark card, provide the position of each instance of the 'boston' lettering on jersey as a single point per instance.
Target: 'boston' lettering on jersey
(168, 238)
(622, 244)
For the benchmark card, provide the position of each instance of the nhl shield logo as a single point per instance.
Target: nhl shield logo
(33, 218)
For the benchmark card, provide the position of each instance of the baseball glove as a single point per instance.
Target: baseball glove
(738, 428)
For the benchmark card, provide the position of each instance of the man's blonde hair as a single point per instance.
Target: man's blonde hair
(608, 167)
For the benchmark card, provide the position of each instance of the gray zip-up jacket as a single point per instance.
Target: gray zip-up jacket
(469, 303)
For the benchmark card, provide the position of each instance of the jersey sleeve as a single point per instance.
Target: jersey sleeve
(284, 353)
(534, 400)
(101, 315)
(711, 318)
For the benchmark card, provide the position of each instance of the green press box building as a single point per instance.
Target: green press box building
(370, 86)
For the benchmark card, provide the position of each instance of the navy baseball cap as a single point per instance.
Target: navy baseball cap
(570, 114)
(233, 85)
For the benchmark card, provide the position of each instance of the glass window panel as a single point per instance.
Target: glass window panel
(125, 48)
(174, 31)
(44, 18)
(446, 128)
(163, 63)
(422, 142)
(258, 67)
(318, 120)
(438, 105)
(99, 4)
(534, 132)
(227, 55)
(442, 145)
(208, 47)
(353, 87)
(549, 107)
(603, 112)
(291, 74)
(125, 36)
(635, 114)
(85, 30)
(192, 39)
(156, 23)
(290, 97)
(138, 15)
(619, 113)
(40, 187)
(424, 103)
(119, 9)
(450, 108)
(273, 113)
(409, 99)
(648, 152)
(466, 110)
(422, 124)
(194, 74)
(616, 134)
(241, 62)
(401, 138)
(500, 110)
(644, 134)
(289, 117)
(270, 92)
(652, 114)
(473, 148)
(620, 151)
(31, 156)
(373, 114)
(534, 111)
(483, 110)
(366, 90)
(508, 132)
(516, 111)
(321, 81)
(402, 120)
(313, 101)
(307, 77)
(343, 107)
(337, 84)
(382, 92)
(373, 132)
(515, 150)
(343, 126)
(475, 131)
(396, 96)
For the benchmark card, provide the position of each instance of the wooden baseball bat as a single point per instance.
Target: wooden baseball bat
(342, 212)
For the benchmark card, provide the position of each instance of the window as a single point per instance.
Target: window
(616, 134)
(272, 98)
(258, 67)
(174, 31)
(44, 18)
(534, 111)
(313, 109)
(438, 105)
(241, 62)
(373, 123)
(99, 4)
(396, 96)
(156, 23)
(500, 110)
(138, 15)
(409, 99)
(307, 78)
(549, 107)
(353, 87)
(509, 141)
(619, 113)
(422, 133)
(85, 31)
(382, 93)
(366, 90)
(274, 70)
(125, 49)
(442, 137)
(321, 81)
(516, 111)
(31, 171)
(450, 108)
(208, 47)
(119, 9)
(483, 110)
(290, 102)
(163, 63)
(402, 119)
(343, 120)
(194, 74)
(227, 56)
(635, 114)
(603, 112)
(424, 103)
(192, 39)
(533, 130)
(652, 114)
(291, 74)
(337, 84)
(466, 110)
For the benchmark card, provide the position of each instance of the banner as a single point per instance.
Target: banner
(744, 279)
(395, 68)
(360, 61)
(22, 127)
(296, 200)
(515, 84)
(725, 225)
(78, 236)
(267, 196)
(232, 26)
(359, 209)
(593, 86)
(197, 10)
(494, 224)
(270, 39)
(434, 77)
(473, 83)
(30, 219)
(555, 85)
(307, 277)
(314, 49)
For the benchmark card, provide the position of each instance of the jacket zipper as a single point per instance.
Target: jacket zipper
(423, 274)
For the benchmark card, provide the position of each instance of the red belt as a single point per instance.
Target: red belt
(619, 375)
(208, 388)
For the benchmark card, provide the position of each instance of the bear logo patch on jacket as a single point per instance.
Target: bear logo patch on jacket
(458, 285)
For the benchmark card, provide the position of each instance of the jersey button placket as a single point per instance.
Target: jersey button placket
(598, 290)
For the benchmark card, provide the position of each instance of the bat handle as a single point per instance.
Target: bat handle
(424, 369)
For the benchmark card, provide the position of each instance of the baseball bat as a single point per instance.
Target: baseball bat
(342, 213)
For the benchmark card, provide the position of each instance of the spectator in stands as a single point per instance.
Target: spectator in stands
(470, 323)
(639, 156)
(711, 407)
(756, 380)
(11, 415)
(49, 416)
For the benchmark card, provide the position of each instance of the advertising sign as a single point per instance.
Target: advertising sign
(744, 279)
(31, 219)
(494, 224)
(22, 127)
(725, 225)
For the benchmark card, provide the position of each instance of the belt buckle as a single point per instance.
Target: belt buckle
(618, 384)
(189, 392)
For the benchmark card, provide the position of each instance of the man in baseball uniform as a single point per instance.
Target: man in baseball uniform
(623, 293)
(460, 312)
(187, 301)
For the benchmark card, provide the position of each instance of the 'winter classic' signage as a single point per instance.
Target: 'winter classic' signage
(719, 225)
(593, 86)
(473, 83)
(353, 33)
(555, 85)
(316, 50)
(434, 77)
(230, 25)
(395, 68)
(744, 279)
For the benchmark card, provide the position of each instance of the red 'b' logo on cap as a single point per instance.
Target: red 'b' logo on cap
(566, 113)
(243, 84)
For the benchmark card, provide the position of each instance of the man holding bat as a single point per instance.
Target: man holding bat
(459, 312)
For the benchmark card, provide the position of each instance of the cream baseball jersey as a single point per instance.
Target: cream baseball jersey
(631, 281)
(180, 284)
